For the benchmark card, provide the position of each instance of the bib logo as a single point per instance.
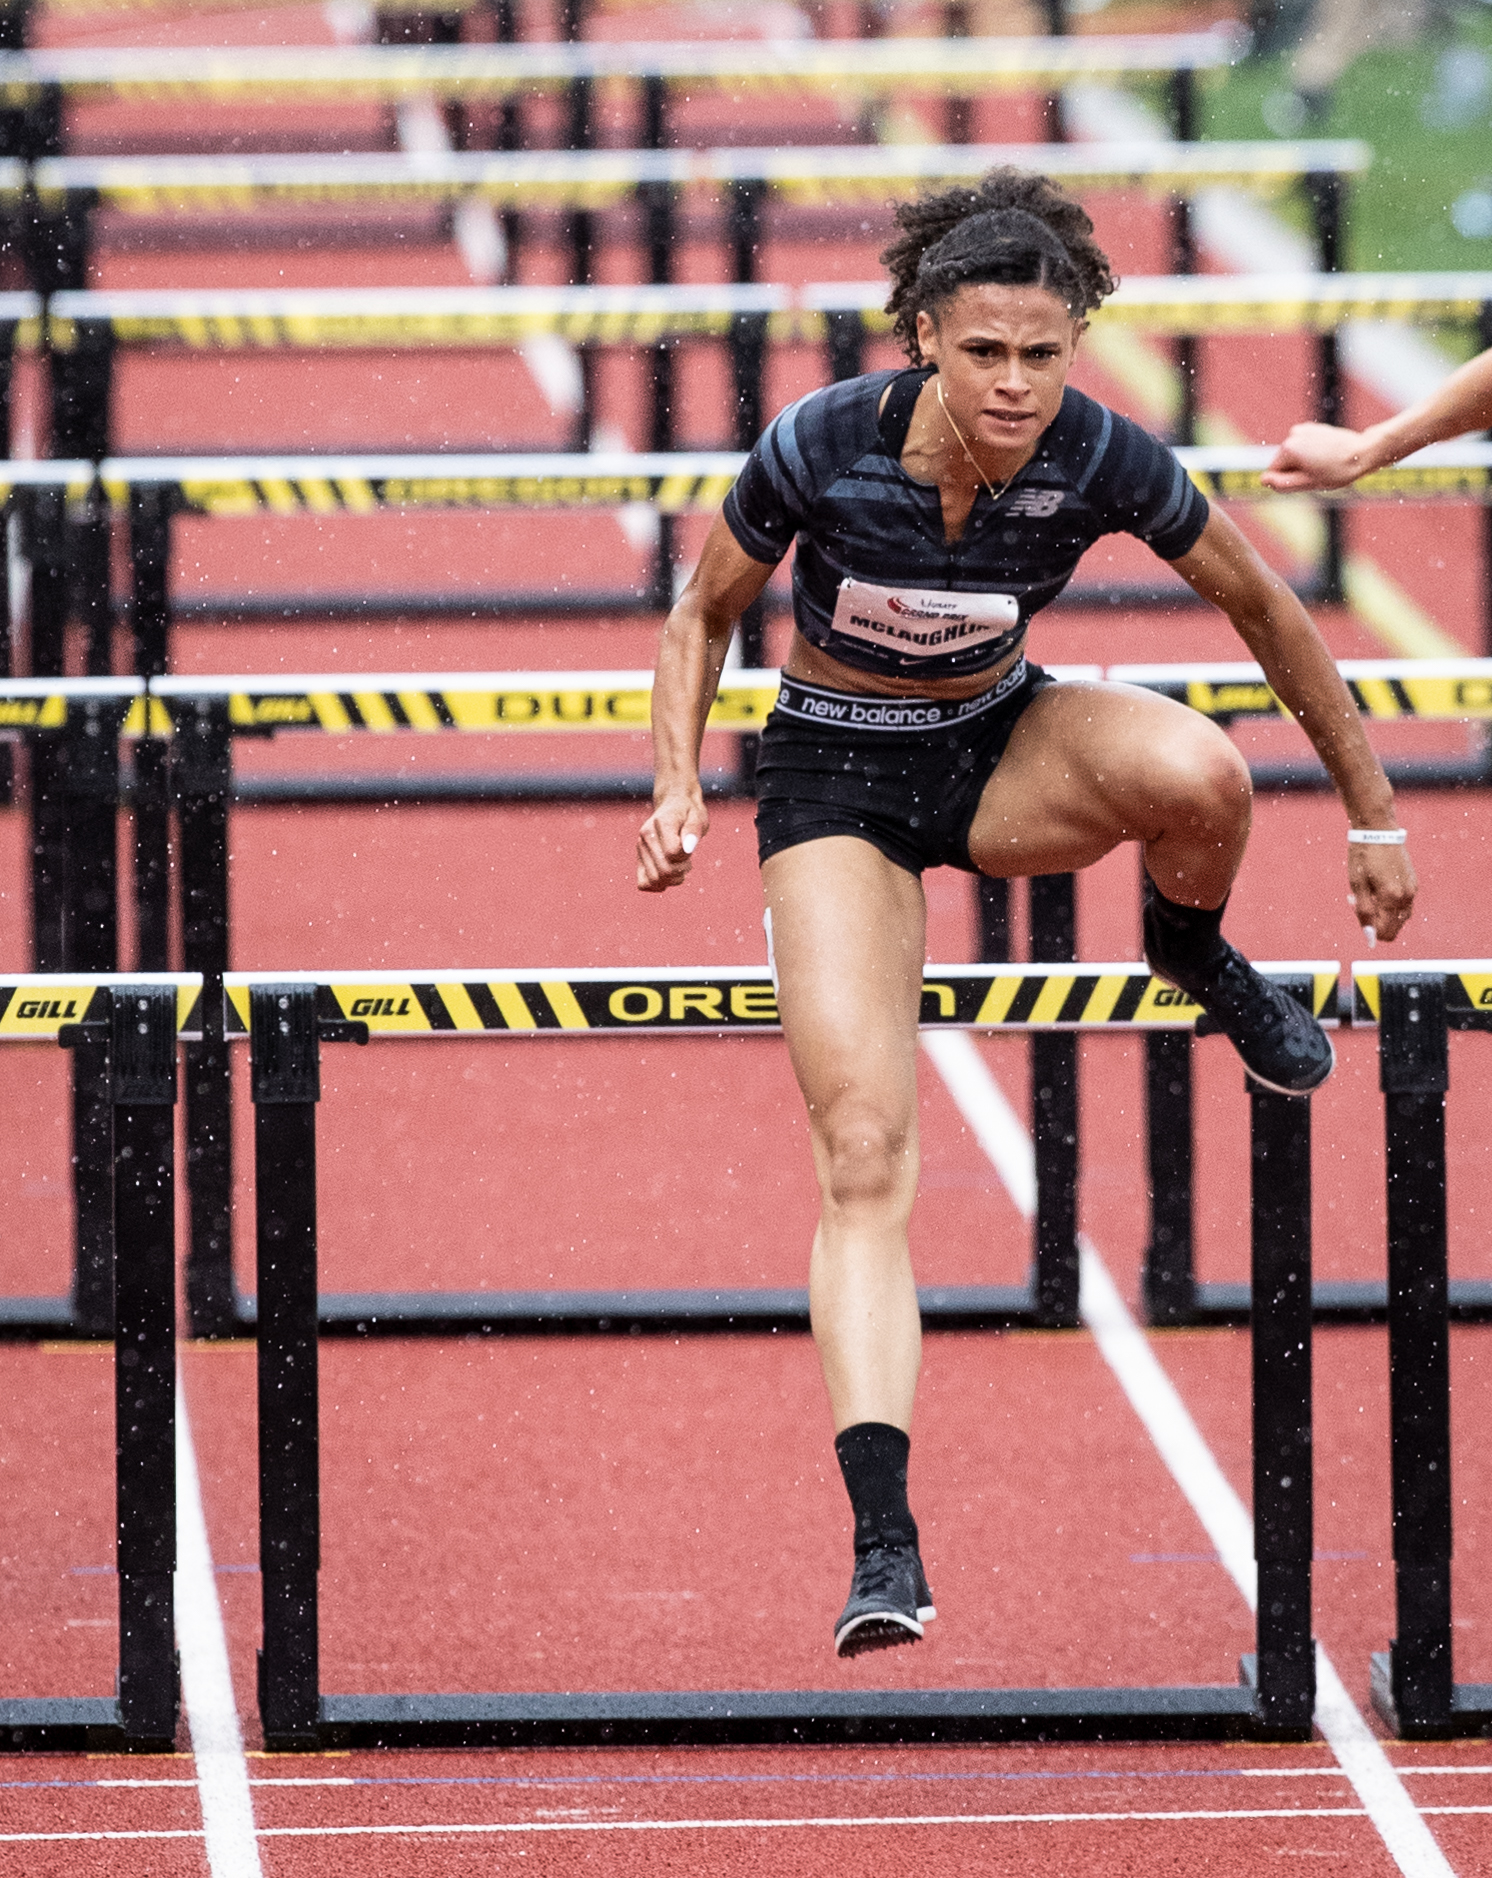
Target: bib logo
(929, 609)
(1037, 502)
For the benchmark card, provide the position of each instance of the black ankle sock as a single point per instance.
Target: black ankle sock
(1186, 938)
(873, 1460)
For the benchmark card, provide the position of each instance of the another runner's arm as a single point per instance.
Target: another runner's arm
(1276, 628)
(1324, 456)
(691, 656)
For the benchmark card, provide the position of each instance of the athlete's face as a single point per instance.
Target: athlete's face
(1002, 355)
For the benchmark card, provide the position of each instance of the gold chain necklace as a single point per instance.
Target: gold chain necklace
(994, 494)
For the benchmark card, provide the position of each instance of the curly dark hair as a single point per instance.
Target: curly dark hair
(1016, 253)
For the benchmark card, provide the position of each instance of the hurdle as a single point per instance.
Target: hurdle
(133, 1025)
(153, 491)
(286, 1020)
(1384, 690)
(748, 188)
(204, 716)
(87, 331)
(36, 87)
(1415, 1006)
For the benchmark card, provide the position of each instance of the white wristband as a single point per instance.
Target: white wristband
(1378, 837)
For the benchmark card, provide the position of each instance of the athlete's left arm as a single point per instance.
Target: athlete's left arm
(1282, 636)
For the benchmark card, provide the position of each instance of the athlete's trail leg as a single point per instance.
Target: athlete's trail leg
(1090, 766)
(848, 933)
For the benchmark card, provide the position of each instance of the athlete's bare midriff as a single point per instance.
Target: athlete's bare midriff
(816, 667)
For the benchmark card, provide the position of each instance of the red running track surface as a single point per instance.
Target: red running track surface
(536, 1513)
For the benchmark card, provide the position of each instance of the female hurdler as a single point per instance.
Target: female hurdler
(935, 510)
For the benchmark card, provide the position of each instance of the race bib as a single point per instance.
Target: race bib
(919, 625)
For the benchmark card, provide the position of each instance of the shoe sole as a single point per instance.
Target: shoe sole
(1275, 1088)
(876, 1630)
(1278, 1088)
(926, 1613)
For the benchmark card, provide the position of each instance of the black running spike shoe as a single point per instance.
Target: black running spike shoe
(1282, 1045)
(889, 1601)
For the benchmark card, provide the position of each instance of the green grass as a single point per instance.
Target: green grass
(1400, 212)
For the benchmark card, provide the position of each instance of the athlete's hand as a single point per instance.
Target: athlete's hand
(1383, 887)
(1316, 456)
(668, 838)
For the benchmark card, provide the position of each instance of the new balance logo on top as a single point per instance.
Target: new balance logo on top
(1037, 502)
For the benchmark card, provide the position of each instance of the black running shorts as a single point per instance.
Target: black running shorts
(904, 774)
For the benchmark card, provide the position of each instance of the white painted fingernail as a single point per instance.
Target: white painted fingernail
(689, 843)
(1371, 937)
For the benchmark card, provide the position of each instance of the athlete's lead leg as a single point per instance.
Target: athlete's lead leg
(1090, 766)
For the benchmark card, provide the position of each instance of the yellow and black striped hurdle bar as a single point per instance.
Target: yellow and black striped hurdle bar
(123, 1032)
(1415, 1006)
(86, 330)
(286, 1019)
(37, 87)
(865, 69)
(154, 490)
(855, 178)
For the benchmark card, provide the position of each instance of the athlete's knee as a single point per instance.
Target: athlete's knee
(866, 1156)
(1207, 779)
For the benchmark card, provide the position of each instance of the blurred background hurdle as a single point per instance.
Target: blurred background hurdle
(154, 492)
(39, 90)
(76, 201)
(90, 331)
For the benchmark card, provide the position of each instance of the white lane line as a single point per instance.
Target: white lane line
(984, 1777)
(206, 1683)
(1192, 1465)
(512, 1828)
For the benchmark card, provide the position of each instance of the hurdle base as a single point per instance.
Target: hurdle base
(84, 1724)
(32, 1319)
(1346, 1301)
(310, 790)
(1471, 1707)
(628, 1313)
(770, 1717)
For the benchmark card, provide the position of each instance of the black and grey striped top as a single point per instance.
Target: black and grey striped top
(828, 470)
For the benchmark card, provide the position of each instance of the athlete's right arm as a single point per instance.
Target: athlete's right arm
(1324, 456)
(691, 656)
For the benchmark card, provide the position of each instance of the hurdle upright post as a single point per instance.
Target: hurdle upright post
(43, 517)
(1168, 1279)
(202, 775)
(150, 509)
(286, 1080)
(1284, 1668)
(657, 203)
(80, 362)
(90, 753)
(1415, 1688)
(143, 1088)
(1054, 1114)
(1324, 192)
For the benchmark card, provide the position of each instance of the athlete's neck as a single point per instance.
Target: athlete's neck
(935, 452)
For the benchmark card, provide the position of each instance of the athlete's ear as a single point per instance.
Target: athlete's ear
(927, 338)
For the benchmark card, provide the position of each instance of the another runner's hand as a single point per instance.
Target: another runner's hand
(1383, 887)
(1316, 456)
(667, 839)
